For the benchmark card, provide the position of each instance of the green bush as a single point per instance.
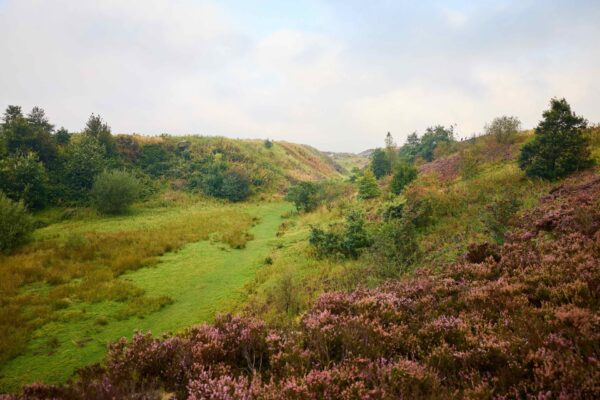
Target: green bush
(404, 174)
(236, 185)
(395, 247)
(304, 195)
(367, 186)
(346, 242)
(559, 147)
(15, 224)
(114, 191)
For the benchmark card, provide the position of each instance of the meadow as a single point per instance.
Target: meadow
(87, 281)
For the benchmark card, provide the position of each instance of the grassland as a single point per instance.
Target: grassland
(184, 263)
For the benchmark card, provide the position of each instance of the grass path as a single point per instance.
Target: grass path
(202, 278)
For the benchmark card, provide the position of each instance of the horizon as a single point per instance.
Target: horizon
(334, 75)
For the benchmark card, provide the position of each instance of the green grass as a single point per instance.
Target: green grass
(201, 279)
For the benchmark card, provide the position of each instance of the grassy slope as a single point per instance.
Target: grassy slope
(201, 279)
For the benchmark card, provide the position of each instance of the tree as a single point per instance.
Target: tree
(390, 148)
(504, 129)
(268, 144)
(24, 178)
(367, 186)
(33, 133)
(98, 129)
(404, 174)
(304, 195)
(83, 161)
(380, 163)
(114, 191)
(559, 146)
(153, 159)
(62, 136)
(15, 224)
(408, 152)
(431, 138)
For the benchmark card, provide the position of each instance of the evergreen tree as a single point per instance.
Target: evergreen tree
(96, 128)
(558, 147)
(380, 163)
(404, 173)
(367, 185)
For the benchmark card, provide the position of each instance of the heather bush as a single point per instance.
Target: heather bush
(15, 224)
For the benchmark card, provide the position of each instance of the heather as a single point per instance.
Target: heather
(513, 321)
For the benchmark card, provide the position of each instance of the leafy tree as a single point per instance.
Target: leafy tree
(408, 152)
(559, 146)
(114, 191)
(268, 144)
(380, 163)
(367, 186)
(84, 159)
(62, 136)
(304, 195)
(33, 133)
(23, 177)
(236, 185)
(15, 224)
(431, 138)
(504, 129)
(404, 174)
(98, 129)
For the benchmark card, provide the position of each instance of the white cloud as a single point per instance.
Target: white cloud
(187, 66)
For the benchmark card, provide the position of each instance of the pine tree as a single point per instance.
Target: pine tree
(559, 147)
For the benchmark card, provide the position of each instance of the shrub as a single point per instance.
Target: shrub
(304, 195)
(347, 242)
(15, 224)
(404, 174)
(268, 144)
(235, 186)
(503, 129)
(559, 146)
(114, 192)
(83, 161)
(367, 186)
(469, 165)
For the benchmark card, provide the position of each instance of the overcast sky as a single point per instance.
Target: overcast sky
(334, 74)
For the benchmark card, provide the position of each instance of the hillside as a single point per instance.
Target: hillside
(452, 273)
(428, 336)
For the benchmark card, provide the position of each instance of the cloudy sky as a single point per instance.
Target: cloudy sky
(334, 74)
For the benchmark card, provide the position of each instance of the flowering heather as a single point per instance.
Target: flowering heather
(516, 322)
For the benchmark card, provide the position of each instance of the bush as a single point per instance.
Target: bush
(395, 247)
(304, 195)
(367, 186)
(15, 224)
(236, 185)
(83, 161)
(504, 129)
(559, 147)
(347, 242)
(404, 174)
(114, 192)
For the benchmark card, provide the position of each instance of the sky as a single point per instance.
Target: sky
(337, 75)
